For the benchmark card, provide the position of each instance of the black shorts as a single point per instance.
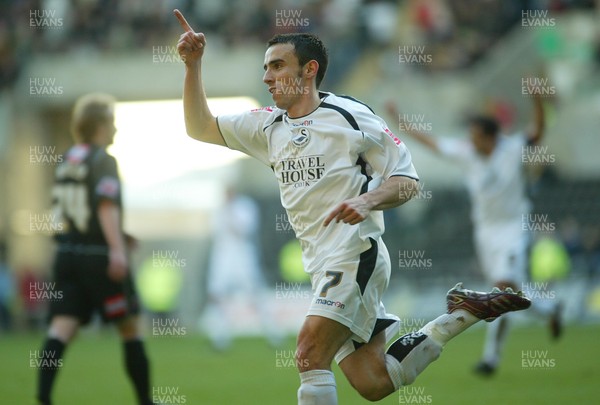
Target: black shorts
(81, 277)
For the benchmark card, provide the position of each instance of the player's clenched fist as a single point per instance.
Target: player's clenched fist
(191, 45)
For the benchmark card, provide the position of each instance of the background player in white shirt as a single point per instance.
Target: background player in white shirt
(338, 166)
(234, 271)
(493, 171)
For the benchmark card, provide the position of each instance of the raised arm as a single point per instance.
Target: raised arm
(537, 131)
(421, 137)
(199, 122)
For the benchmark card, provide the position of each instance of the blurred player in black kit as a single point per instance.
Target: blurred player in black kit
(90, 268)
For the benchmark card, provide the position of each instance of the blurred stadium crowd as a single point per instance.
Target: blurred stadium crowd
(457, 32)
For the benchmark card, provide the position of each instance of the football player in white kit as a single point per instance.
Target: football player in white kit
(338, 166)
(493, 170)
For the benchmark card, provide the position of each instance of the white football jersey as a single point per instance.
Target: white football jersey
(338, 151)
(496, 183)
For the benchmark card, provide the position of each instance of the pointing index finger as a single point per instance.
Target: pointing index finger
(182, 21)
(333, 214)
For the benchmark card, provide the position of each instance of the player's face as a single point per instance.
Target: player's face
(107, 131)
(483, 144)
(283, 76)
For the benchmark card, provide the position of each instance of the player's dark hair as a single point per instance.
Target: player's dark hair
(307, 47)
(489, 126)
(91, 111)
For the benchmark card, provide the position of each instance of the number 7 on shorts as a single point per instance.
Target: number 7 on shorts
(336, 278)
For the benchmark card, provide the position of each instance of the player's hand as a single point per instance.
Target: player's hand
(352, 211)
(391, 108)
(131, 243)
(117, 265)
(191, 44)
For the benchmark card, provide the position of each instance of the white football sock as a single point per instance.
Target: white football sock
(417, 354)
(446, 326)
(317, 387)
(394, 369)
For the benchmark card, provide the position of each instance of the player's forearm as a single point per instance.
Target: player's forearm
(393, 192)
(195, 105)
(109, 216)
(538, 120)
(423, 139)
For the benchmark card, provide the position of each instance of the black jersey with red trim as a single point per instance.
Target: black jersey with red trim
(87, 175)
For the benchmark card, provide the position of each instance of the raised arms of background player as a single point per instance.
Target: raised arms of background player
(534, 135)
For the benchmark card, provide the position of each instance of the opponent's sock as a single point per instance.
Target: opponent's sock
(408, 356)
(136, 364)
(317, 387)
(50, 362)
(446, 326)
(494, 341)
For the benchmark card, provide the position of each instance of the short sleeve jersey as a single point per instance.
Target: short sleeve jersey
(86, 177)
(496, 183)
(339, 151)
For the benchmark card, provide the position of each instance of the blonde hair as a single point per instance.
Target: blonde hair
(91, 111)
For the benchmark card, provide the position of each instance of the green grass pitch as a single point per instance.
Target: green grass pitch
(186, 370)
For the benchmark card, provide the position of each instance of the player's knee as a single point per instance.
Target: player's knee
(373, 392)
(63, 328)
(369, 378)
(128, 329)
(308, 357)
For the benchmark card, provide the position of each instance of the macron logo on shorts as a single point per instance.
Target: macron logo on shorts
(330, 303)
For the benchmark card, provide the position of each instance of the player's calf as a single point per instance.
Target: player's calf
(318, 341)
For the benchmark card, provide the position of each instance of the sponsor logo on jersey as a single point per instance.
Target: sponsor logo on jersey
(304, 123)
(301, 138)
(302, 171)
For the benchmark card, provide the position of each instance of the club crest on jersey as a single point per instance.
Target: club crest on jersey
(301, 138)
